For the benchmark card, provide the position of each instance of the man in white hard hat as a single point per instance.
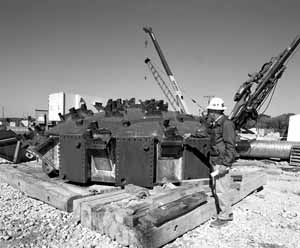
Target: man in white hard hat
(222, 136)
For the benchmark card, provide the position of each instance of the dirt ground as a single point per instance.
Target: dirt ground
(268, 219)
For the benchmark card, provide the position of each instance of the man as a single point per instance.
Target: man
(222, 135)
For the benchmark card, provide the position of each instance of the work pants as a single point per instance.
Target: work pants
(222, 183)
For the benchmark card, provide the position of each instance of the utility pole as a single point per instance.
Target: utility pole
(208, 98)
(3, 112)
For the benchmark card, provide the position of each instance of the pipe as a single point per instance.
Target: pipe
(265, 149)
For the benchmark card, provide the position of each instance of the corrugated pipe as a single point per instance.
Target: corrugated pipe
(265, 149)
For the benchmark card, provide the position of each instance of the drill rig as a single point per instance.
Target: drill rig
(253, 93)
(250, 98)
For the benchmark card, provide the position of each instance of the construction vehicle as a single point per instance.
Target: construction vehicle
(176, 99)
(250, 98)
(253, 93)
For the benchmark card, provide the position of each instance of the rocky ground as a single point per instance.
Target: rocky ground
(268, 219)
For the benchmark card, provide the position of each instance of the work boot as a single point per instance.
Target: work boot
(219, 223)
(225, 216)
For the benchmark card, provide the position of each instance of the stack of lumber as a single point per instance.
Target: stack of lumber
(133, 216)
(30, 179)
(128, 219)
(163, 215)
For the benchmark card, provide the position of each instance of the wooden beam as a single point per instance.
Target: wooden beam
(31, 180)
(77, 203)
(136, 228)
(172, 210)
(88, 207)
(169, 231)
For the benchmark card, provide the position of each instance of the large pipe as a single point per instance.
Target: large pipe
(265, 149)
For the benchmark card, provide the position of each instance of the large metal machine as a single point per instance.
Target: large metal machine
(253, 93)
(250, 98)
(127, 142)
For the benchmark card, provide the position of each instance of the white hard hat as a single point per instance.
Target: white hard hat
(216, 103)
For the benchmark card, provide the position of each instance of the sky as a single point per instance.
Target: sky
(97, 48)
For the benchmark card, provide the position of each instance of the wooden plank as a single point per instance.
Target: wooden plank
(106, 222)
(30, 179)
(91, 206)
(174, 194)
(47, 192)
(77, 203)
(157, 237)
(110, 220)
(171, 230)
(169, 211)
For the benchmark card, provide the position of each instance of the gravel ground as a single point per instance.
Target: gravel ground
(268, 219)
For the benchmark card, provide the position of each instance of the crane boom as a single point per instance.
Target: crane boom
(180, 102)
(163, 86)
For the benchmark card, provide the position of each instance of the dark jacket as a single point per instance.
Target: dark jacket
(222, 137)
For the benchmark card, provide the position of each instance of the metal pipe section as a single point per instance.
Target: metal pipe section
(265, 149)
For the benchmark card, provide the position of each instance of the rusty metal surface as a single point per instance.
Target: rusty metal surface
(73, 158)
(195, 158)
(135, 161)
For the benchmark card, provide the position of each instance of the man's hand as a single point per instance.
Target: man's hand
(187, 135)
(220, 170)
(223, 169)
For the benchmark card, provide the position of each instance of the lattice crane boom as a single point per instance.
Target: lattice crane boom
(180, 102)
(163, 85)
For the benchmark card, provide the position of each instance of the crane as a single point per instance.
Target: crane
(163, 86)
(177, 98)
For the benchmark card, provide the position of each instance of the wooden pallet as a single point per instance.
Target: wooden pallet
(30, 179)
(163, 216)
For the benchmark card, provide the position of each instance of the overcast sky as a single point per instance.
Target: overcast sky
(97, 48)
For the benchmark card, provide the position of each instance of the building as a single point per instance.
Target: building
(41, 116)
(294, 130)
(61, 102)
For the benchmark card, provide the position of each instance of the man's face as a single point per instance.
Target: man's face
(214, 114)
